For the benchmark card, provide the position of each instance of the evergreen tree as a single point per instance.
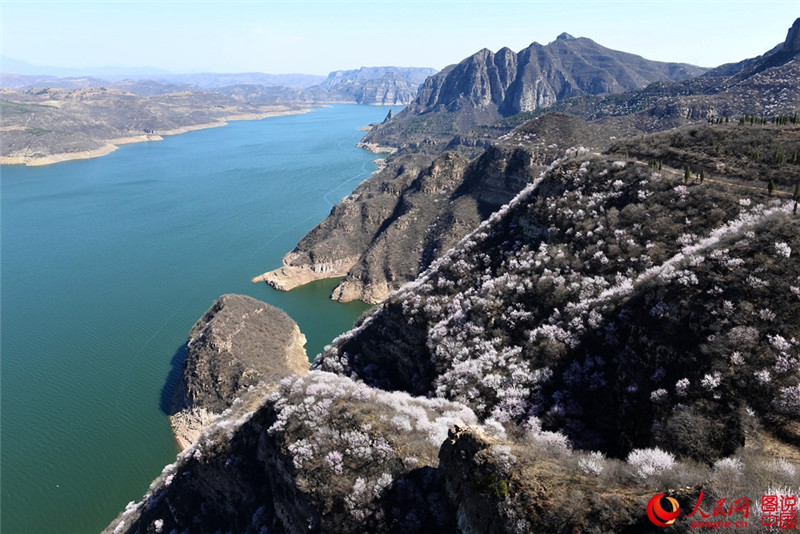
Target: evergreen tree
(687, 173)
(771, 187)
(796, 196)
(702, 176)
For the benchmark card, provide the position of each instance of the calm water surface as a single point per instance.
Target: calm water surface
(106, 265)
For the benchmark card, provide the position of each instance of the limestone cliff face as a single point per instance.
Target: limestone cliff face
(238, 343)
(295, 272)
(376, 85)
(541, 74)
(390, 229)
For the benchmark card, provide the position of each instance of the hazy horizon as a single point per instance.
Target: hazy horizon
(317, 37)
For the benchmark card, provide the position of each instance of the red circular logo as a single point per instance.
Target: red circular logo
(658, 515)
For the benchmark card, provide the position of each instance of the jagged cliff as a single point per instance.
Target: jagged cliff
(238, 343)
(509, 82)
(488, 86)
(762, 86)
(367, 85)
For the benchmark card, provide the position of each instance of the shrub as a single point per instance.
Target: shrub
(593, 463)
(492, 485)
(787, 401)
(648, 462)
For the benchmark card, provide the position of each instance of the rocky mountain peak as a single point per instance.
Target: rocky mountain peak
(792, 43)
(487, 86)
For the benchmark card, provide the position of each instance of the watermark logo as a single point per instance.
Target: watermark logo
(775, 511)
(658, 515)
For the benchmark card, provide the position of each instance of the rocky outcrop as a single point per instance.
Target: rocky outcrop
(389, 89)
(792, 43)
(383, 86)
(323, 453)
(237, 344)
(503, 485)
(340, 239)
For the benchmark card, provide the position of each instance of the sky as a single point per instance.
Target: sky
(316, 37)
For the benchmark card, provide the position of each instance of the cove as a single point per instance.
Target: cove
(107, 264)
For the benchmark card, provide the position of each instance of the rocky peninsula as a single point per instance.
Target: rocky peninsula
(238, 343)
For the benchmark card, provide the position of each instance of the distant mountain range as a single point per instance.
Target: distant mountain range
(43, 74)
(47, 119)
(366, 85)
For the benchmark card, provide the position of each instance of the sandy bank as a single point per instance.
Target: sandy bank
(33, 161)
(290, 276)
(112, 144)
(376, 148)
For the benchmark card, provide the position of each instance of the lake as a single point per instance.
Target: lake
(106, 265)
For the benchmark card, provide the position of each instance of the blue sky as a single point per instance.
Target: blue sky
(316, 37)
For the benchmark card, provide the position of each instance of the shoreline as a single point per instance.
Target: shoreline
(113, 144)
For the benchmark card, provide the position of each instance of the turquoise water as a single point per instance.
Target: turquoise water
(106, 265)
